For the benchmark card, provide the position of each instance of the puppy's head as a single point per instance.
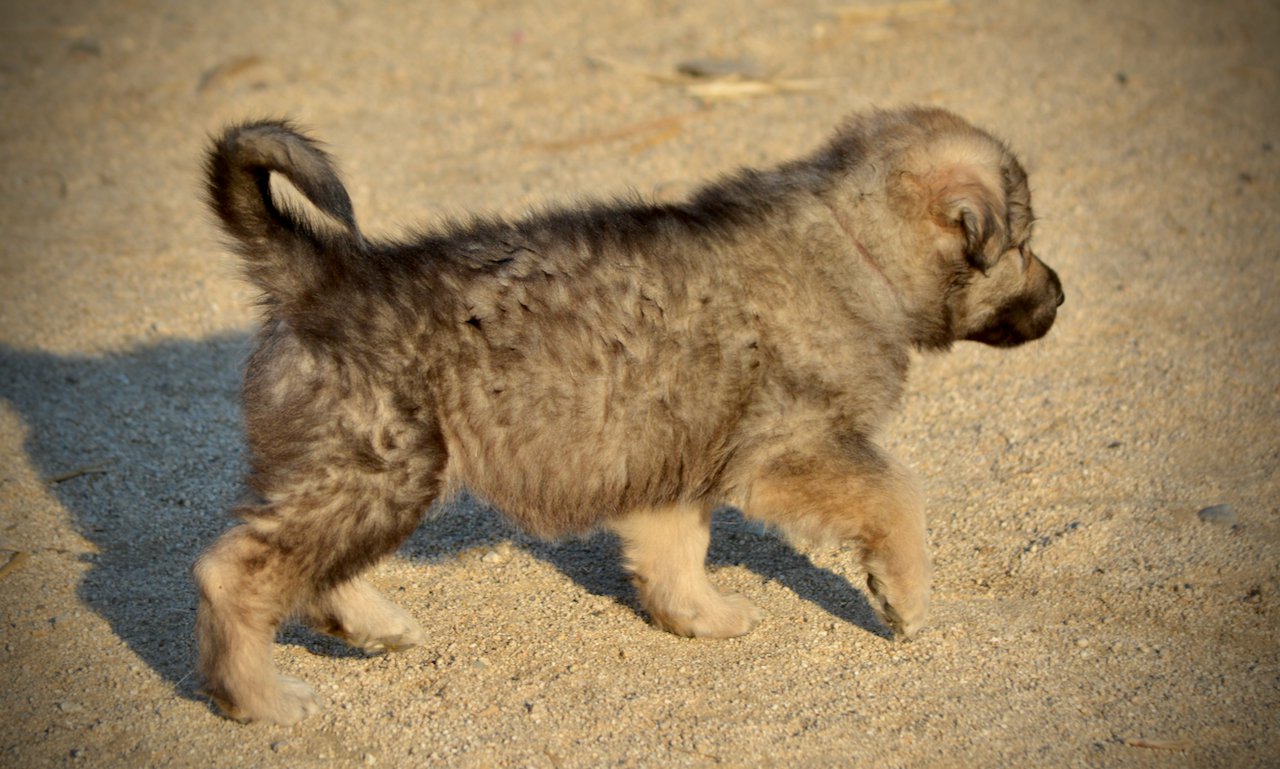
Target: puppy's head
(973, 206)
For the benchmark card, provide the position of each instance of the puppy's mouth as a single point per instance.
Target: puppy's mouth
(1009, 336)
(1018, 323)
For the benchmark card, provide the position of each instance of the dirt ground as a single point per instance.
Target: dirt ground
(1087, 612)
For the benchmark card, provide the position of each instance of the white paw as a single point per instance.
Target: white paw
(403, 635)
(725, 616)
(286, 703)
(297, 701)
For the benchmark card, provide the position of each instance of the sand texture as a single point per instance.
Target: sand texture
(1087, 612)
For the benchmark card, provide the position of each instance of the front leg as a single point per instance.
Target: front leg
(862, 495)
(665, 550)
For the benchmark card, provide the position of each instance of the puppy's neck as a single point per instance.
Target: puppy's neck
(865, 253)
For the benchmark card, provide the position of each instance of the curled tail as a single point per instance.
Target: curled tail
(289, 253)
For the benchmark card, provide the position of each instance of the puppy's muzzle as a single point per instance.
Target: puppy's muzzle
(1025, 317)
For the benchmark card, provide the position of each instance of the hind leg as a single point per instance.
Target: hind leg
(857, 494)
(358, 614)
(301, 554)
(665, 551)
(246, 591)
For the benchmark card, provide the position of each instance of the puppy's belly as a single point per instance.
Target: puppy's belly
(560, 460)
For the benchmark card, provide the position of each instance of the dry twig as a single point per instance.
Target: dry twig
(1139, 742)
(94, 469)
(708, 83)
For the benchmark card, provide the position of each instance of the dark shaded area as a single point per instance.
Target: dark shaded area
(157, 427)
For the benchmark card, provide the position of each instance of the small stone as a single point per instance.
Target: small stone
(86, 47)
(1224, 515)
(70, 707)
(720, 68)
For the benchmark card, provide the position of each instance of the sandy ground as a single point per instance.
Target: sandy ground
(1086, 614)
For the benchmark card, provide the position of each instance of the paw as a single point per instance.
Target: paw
(297, 701)
(904, 615)
(363, 618)
(404, 634)
(721, 616)
(286, 702)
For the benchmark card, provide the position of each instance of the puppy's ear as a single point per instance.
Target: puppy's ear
(972, 203)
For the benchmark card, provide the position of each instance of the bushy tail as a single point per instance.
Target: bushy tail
(291, 254)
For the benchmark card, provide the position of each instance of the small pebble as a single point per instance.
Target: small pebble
(1220, 514)
(86, 46)
(713, 68)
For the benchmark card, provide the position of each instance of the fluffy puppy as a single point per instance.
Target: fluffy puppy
(626, 366)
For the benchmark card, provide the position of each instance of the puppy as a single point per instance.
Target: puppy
(624, 366)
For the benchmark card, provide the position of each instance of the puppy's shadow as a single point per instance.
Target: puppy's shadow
(735, 540)
(142, 450)
(594, 563)
(467, 523)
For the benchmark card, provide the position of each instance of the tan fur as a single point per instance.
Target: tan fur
(624, 366)
(664, 551)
